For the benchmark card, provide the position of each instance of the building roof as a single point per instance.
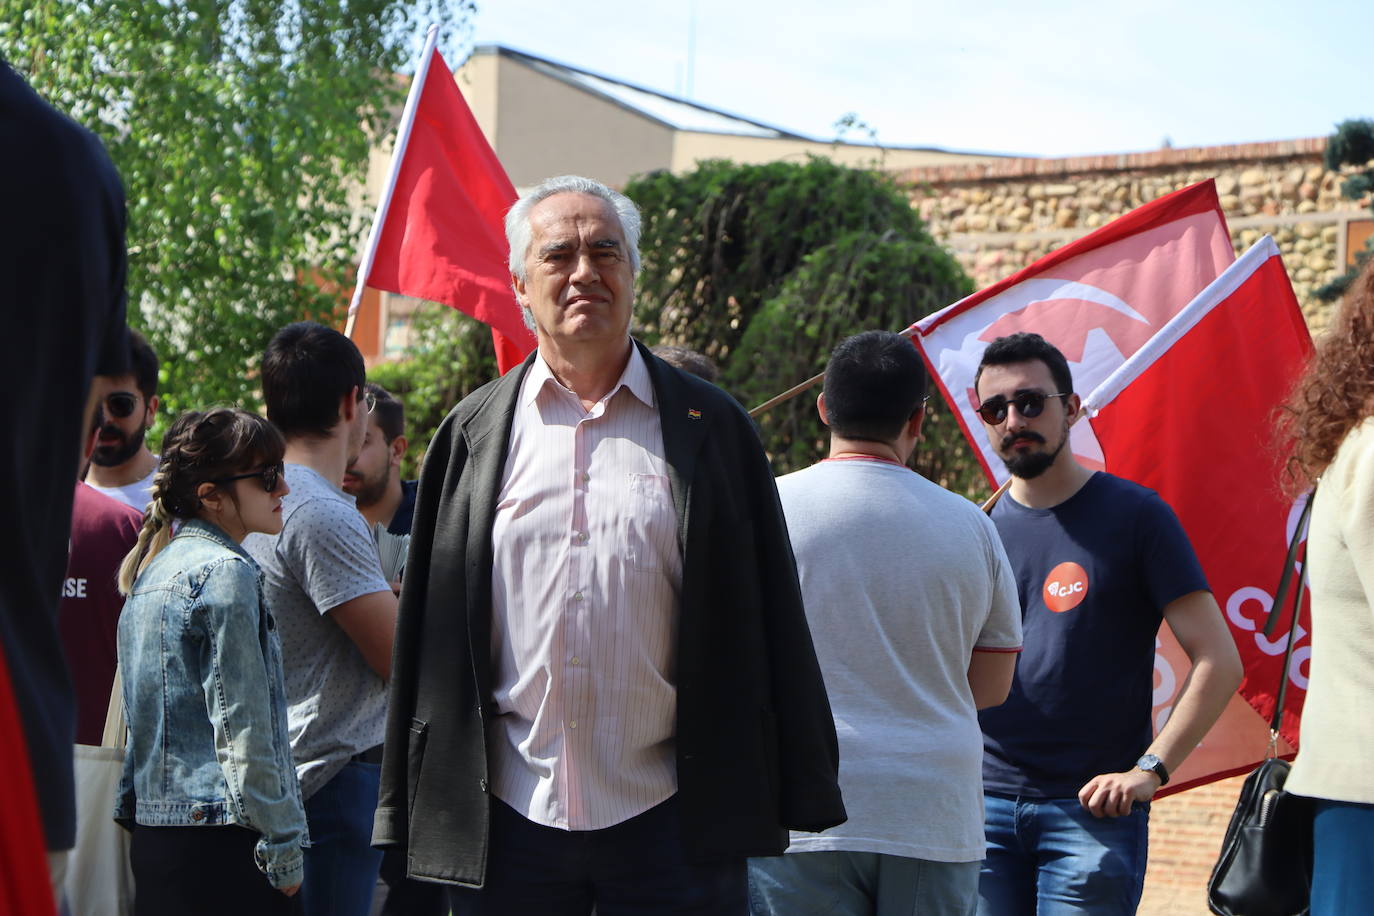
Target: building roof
(670, 111)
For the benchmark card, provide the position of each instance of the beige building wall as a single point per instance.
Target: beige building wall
(477, 80)
(547, 127)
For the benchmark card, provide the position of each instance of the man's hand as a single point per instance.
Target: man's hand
(290, 891)
(1113, 794)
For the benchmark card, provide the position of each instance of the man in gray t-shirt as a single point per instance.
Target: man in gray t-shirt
(324, 557)
(916, 621)
(335, 611)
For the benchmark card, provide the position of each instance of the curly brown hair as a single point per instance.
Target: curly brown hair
(1337, 390)
(199, 447)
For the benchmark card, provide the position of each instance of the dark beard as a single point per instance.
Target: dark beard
(1029, 465)
(371, 491)
(109, 456)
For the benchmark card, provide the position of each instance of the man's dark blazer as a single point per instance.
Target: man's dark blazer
(756, 748)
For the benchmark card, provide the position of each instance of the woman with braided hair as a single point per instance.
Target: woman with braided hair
(1331, 428)
(209, 789)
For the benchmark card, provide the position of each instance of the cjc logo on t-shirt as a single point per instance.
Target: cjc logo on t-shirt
(1065, 587)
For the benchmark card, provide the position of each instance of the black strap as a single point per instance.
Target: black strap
(1280, 596)
(1280, 593)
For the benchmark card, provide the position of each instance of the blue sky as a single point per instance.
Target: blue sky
(1048, 79)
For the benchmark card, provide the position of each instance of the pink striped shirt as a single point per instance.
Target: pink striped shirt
(585, 590)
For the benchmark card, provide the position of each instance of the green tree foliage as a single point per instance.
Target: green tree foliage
(766, 267)
(1351, 145)
(241, 129)
(720, 240)
(861, 281)
(451, 357)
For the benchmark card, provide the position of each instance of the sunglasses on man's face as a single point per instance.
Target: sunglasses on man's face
(270, 476)
(1028, 404)
(121, 404)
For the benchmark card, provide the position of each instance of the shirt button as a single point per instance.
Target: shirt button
(582, 537)
(577, 596)
(576, 660)
(572, 724)
(586, 477)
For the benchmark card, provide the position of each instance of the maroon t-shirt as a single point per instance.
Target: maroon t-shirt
(103, 532)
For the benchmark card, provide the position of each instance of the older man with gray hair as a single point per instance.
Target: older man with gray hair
(605, 693)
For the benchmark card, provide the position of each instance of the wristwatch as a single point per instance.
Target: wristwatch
(1153, 764)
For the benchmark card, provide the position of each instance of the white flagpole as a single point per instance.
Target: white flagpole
(417, 86)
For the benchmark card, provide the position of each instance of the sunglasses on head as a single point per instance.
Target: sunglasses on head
(1028, 404)
(121, 404)
(270, 476)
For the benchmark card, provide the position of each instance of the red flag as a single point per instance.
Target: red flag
(1117, 302)
(24, 885)
(439, 232)
(1194, 421)
(1097, 299)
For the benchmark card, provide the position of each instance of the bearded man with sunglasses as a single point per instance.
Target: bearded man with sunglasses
(1071, 760)
(122, 465)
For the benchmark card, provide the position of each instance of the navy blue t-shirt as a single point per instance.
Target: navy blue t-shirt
(1094, 575)
(405, 511)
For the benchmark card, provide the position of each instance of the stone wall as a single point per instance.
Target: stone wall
(1000, 216)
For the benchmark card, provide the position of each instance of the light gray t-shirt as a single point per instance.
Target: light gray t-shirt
(902, 581)
(324, 556)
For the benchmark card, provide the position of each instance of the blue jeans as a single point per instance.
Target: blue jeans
(340, 864)
(635, 868)
(1343, 858)
(843, 883)
(1050, 856)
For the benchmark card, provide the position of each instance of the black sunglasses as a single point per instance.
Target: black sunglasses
(1028, 404)
(270, 476)
(121, 404)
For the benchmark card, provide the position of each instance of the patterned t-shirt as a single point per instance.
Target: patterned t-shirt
(324, 557)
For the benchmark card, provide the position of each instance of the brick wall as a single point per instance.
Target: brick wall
(1185, 838)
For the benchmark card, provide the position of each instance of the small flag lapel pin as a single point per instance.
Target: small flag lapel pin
(693, 413)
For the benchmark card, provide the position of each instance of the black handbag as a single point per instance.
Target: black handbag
(1265, 866)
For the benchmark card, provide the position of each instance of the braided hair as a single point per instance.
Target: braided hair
(199, 447)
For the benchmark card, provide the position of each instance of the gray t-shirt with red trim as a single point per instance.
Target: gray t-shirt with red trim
(902, 581)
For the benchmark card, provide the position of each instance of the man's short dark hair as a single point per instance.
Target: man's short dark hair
(874, 382)
(688, 360)
(306, 369)
(389, 413)
(1023, 348)
(142, 364)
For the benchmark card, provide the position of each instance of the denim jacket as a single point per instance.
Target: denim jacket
(204, 700)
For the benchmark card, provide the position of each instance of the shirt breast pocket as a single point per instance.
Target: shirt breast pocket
(648, 522)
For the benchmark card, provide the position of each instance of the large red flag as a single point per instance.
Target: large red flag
(1106, 302)
(439, 230)
(1192, 417)
(1097, 299)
